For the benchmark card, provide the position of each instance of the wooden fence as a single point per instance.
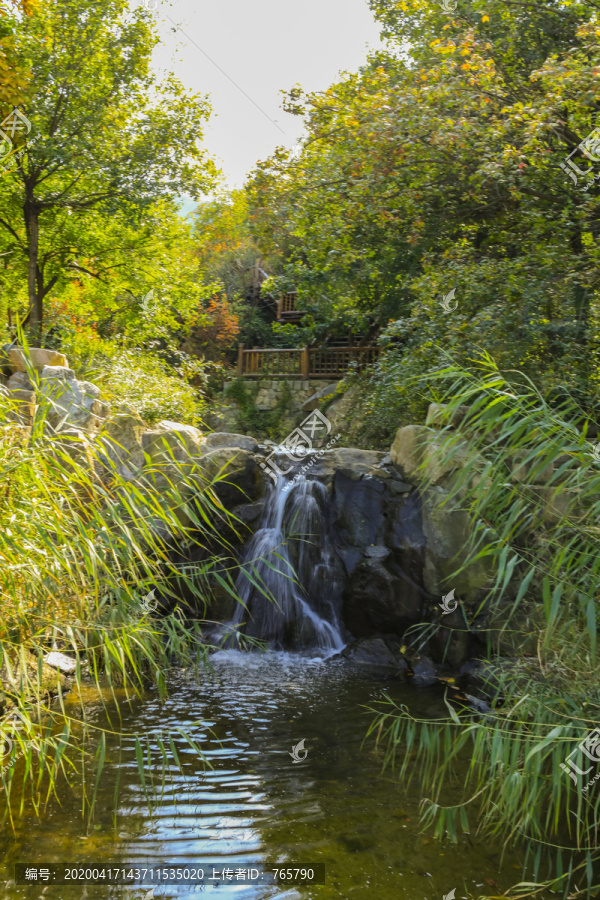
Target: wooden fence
(304, 363)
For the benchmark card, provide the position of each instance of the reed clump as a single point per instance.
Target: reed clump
(88, 569)
(530, 481)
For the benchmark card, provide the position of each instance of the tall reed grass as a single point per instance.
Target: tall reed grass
(80, 550)
(530, 480)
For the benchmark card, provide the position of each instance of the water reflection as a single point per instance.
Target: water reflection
(251, 803)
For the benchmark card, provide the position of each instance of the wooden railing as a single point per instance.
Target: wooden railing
(286, 307)
(326, 362)
(304, 362)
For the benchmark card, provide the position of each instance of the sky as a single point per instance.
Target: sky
(264, 46)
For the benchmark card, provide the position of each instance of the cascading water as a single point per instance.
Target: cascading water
(290, 580)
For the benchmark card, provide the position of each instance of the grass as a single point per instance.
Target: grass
(80, 549)
(531, 485)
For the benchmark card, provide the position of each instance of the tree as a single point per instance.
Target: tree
(13, 80)
(102, 147)
(438, 167)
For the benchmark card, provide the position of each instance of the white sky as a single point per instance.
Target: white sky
(263, 46)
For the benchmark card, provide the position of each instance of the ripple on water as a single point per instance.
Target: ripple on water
(250, 802)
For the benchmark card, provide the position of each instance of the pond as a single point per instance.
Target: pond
(255, 804)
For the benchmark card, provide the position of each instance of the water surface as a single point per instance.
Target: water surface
(255, 804)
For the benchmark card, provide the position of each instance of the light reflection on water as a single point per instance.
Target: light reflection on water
(255, 804)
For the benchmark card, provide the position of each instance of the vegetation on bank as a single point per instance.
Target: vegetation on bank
(530, 479)
(92, 566)
(433, 171)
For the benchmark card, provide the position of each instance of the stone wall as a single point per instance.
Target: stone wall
(272, 392)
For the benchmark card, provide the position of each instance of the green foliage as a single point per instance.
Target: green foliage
(530, 479)
(259, 422)
(79, 555)
(437, 167)
(110, 141)
(148, 386)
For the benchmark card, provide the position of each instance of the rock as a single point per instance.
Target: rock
(377, 551)
(377, 600)
(531, 472)
(70, 402)
(421, 455)
(423, 672)
(20, 406)
(447, 531)
(224, 439)
(172, 442)
(23, 678)
(239, 475)
(121, 439)
(341, 412)
(250, 512)
(356, 463)
(60, 661)
(438, 418)
(375, 652)
(399, 487)
(20, 381)
(358, 510)
(315, 400)
(38, 358)
(74, 455)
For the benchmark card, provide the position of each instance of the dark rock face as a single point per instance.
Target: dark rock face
(423, 672)
(375, 652)
(378, 599)
(380, 539)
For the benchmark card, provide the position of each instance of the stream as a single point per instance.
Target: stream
(248, 801)
(255, 804)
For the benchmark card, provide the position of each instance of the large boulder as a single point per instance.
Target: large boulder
(70, 403)
(375, 653)
(37, 358)
(358, 510)
(225, 439)
(18, 406)
(171, 442)
(447, 531)
(420, 454)
(377, 600)
(315, 400)
(234, 474)
(121, 439)
(342, 412)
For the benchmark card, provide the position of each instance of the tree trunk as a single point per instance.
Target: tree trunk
(36, 310)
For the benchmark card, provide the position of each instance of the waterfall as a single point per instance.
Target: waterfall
(290, 579)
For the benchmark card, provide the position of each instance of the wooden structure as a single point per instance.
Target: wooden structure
(286, 308)
(323, 362)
